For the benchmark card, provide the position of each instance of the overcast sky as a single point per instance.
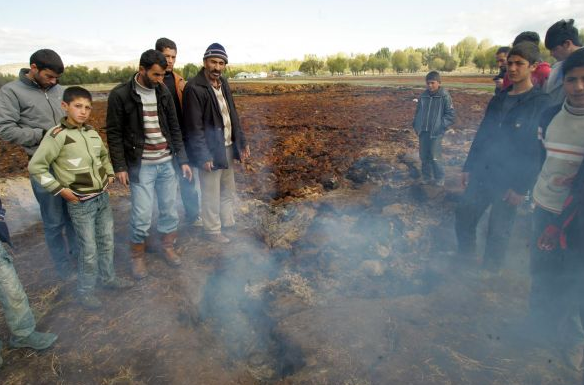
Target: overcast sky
(262, 30)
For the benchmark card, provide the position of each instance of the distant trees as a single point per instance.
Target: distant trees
(465, 50)
(311, 65)
(399, 61)
(358, 64)
(337, 64)
(6, 79)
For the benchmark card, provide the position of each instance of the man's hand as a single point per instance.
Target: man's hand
(549, 239)
(464, 178)
(123, 178)
(187, 173)
(68, 195)
(246, 153)
(513, 198)
(208, 166)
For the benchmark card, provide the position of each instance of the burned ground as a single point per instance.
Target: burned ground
(342, 270)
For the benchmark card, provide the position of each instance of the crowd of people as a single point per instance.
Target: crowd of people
(166, 135)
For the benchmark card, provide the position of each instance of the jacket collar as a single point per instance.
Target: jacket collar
(134, 93)
(67, 125)
(31, 83)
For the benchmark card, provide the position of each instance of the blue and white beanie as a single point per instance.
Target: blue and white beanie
(216, 50)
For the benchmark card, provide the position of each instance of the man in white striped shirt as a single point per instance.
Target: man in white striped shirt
(144, 139)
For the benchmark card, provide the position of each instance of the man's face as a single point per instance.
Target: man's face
(574, 87)
(561, 52)
(45, 78)
(432, 85)
(170, 55)
(78, 110)
(214, 67)
(519, 69)
(152, 77)
(501, 59)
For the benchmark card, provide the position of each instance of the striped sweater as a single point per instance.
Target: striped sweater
(156, 149)
(564, 145)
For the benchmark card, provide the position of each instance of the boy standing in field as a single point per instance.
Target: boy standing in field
(434, 114)
(82, 172)
(556, 272)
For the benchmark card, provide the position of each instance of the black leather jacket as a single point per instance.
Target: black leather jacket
(125, 127)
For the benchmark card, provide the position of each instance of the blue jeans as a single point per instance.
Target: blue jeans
(55, 220)
(431, 156)
(94, 224)
(14, 301)
(159, 178)
(190, 192)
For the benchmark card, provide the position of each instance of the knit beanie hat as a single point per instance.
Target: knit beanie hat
(561, 31)
(216, 50)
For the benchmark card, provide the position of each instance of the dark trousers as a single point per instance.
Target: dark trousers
(557, 283)
(474, 202)
(431, 156)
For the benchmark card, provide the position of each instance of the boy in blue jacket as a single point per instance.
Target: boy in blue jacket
(434, 114)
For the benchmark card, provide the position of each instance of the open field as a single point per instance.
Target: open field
(342, 270)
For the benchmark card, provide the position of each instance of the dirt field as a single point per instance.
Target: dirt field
(342, 270)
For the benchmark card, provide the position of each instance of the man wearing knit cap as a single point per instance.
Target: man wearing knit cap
(561, 39)
(214, 139)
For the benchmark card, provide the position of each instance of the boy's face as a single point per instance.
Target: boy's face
(501, 59)
(561, 52)
(574, 87)
(170, 55)
(78, 111)
(519, 69)
(432, 85)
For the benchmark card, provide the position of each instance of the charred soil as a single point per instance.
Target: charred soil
(341, 270)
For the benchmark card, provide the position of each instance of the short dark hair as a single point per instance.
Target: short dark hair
(561, 31)
(529, 36)
(433, 75)
(576, 59)
(47, 59)
(151, 57)
(527, 50)
(163, 43)
(504, 50)
(76, 92)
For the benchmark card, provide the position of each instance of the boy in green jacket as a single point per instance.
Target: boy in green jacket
(82, 171)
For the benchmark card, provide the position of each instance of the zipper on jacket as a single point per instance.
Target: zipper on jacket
(90, 156)
(52, 110)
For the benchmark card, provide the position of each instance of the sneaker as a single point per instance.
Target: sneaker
(90, 302)
(198, 222)
(440, 183)
(217, 238)
(36, 341)
(118, 284)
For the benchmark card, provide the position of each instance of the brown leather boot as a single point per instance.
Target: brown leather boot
(138, 261)
(167, 249)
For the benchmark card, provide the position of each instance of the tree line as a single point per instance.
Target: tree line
(466, 53)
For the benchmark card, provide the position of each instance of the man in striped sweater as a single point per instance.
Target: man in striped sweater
(144, 139)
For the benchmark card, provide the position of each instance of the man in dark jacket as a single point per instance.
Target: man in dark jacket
(17, 313)
(214, 138)
(503, 161)
(29, 107)
(144, 137)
